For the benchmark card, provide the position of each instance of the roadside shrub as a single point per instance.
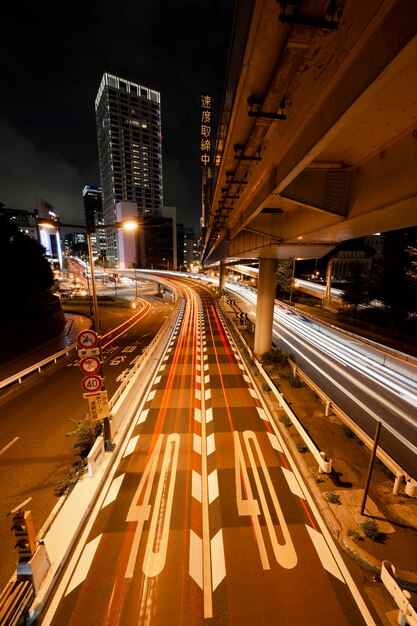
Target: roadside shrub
(371, 530)
(332, 497)
(301, 447)
(284, 419)
(266, 387)
(86, 432)
(352, 532)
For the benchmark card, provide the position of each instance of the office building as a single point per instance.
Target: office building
(128, 118)
(93, 211)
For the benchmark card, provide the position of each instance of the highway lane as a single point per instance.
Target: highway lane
(204, 517)
(35, 451)
(365, 382)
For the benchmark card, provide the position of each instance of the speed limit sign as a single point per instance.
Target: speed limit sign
(92, 383)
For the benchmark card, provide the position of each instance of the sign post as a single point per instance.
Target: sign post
(93, 384)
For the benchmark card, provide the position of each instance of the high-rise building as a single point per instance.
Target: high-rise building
(128, 118)
(93, 211)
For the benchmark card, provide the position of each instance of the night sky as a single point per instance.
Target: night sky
(52, 60)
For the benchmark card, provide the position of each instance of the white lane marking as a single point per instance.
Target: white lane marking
(242, 367)
(197, 415)
(8, 445)
(209, 415)
(206, 379)
(262, 414)
(161, 369)
(196, 485)
(274, 442)
(324, 553)
(197, 443)
(246, 378)
(151, 395)
(213, 486)
(206, 367)
(197, 394)
(207, 394)
(81, 571)
(198, 380)
(292, 482)
(113, 491)
(142, 416)
(195, 566)
(211, 446)
(131, 446)
(217, 559)
(253, 392)
(157, 380)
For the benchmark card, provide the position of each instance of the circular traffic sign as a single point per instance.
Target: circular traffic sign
(92, 383)
(90, 365)
(87, 339)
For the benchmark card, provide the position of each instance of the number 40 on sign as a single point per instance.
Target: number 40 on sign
(92, 383)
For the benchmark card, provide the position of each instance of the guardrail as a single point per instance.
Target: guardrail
(392, 465)
(406, 613)
(37, 366)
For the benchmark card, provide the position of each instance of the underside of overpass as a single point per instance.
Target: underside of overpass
(317, 141)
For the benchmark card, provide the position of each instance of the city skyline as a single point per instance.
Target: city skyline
(53, 67)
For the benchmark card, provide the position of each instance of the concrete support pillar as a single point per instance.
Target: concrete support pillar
(222, 277)
(265, 306)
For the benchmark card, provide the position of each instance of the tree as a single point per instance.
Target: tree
(283, 277)
(358, 290)
(394, 285)
(27, 276)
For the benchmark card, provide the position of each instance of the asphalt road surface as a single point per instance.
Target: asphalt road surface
(35, 451)
(204, 518)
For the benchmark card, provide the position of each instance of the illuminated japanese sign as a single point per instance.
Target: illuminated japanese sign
(205, 130)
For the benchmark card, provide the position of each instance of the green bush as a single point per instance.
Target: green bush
(284, 419)
(371, 529)
(332, 497)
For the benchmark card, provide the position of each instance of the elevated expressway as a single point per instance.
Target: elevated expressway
(317, 141)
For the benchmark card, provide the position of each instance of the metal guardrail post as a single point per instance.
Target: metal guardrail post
(406, 613)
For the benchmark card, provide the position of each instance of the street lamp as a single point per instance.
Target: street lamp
(127, 224)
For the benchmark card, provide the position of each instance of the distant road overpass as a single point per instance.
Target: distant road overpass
(317, 141)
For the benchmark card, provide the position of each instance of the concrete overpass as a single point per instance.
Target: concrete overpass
(317, 141)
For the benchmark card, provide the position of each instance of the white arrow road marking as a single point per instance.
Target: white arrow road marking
(262, 414)
(292, 482)
(218, 565)
(131, 446)
(324, 553)
(195, 566)
(196, 485)
(274, 442)
(142, 416)
(213, 486)
(81, 571)
(197, 443)
(211, 446)
(113, 491)
(151, 395)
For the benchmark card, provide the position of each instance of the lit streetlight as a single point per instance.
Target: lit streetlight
(127, 224)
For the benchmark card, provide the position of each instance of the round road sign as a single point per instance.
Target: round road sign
(92, 383)
(90, 365)
(87, 339)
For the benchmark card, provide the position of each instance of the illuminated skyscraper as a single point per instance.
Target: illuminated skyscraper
(128, 118)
